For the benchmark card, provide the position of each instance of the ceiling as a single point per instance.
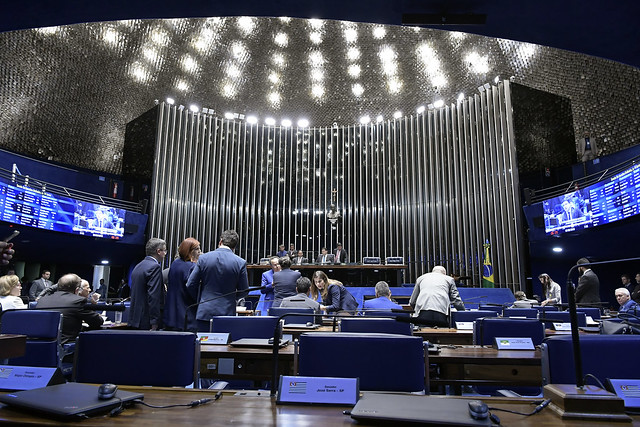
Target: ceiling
(599, 28)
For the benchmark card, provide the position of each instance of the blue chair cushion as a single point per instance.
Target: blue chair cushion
(562, 317)
(386, 326)
(529, 313)
(279, 311)
(245, 326)
(39, 324)
(488, 328)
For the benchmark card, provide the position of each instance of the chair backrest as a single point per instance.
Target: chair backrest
(240, 327)
(251, 301)
(486, 329)
(561, 317)
(605, 356)
(470, 315)
(372, 324)
(279, 311)
(365, 356)
(594, 312)
(42, 329)
(385, 313)
(546, 308)
(124, 357)
(497, 308)
(529, 313)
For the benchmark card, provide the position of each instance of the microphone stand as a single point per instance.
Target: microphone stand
(186, 312)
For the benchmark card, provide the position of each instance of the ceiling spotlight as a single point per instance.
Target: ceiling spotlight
(420, 109)
(439, 103)
(104, 261)
(430, 107)
(252, 120)
(303, 123)
(270, 121)
(365, 120)
(487, 86)
(557, 249)
(481, 88)
(286, 123)
(229, 116)
(460, 97)
(397, 114)
(379, 119)
(496, 80)
(194, 108)
(171, 101)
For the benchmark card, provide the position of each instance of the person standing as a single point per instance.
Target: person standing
(178, 299)
(267, 282)
(550, 290)
(40, 285)
(147, 289)
(627, 282)
(433, 295)
(340, 255)
(588, 290)
(284, 281)
(218, 279)
(635, 294)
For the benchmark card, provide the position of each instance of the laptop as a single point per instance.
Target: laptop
(67, 401)
(424, 410)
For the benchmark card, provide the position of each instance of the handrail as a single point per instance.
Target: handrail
(47, 187)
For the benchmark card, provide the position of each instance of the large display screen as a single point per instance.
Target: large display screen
(609, 200)
(26, 206)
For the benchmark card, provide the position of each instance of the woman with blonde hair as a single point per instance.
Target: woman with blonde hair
(335, 297)
(178, 299)
(10, 288)
(550, 290)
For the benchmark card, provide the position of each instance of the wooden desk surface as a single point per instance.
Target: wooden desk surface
(12, 345)
(445, 335)
(486, 355)
(262, 410)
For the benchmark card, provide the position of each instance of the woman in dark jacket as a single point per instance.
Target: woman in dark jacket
(335, 297)
(178, 299)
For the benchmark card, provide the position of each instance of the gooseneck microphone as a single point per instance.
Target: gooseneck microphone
(237, 291)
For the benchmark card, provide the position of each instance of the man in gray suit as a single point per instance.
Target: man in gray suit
(301, 300)
(40, 285)
(588, 290)
(218, 279)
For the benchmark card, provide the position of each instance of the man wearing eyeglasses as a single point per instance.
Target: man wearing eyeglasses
(147, 290)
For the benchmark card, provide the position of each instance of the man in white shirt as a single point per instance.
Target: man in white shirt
(433, 295)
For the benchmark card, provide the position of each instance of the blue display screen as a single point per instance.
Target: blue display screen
(607, 201)
(26, 206)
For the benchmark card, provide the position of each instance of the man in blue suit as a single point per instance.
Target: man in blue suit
(382, 300)
(147, 289)
(284, 281)
(267, 282)
(220, 275)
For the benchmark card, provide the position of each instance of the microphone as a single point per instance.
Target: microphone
(186, 312)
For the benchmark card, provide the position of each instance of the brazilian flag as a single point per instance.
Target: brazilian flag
(487, 268)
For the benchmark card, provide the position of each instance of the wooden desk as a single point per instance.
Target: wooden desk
(242, 363)
(476, 365)
(262, 410)
(12, 346)
(445, 336)
(366, 274)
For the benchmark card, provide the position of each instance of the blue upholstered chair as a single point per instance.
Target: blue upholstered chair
(594, 312)
(470, 315)
(486, 329)
(496, 308)
(385, 313)
(125, 357)
(529, 313)
(245, 326)
(279, 311)
(604, 356)
(547, 308)
(374, 324)
(365, 356)
(561, 317)
(42, 328)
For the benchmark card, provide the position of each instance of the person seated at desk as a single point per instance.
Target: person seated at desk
(382, 300)
(335, 297)
(10, 288)
(92, 297)
(299, 259)
(522, 301)
(325, 257)
(301, 300)
(281, 251)
(627, 305)
(432, 297)
(72, 295)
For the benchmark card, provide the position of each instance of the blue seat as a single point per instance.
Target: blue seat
(245, 326)
(545, 309)
(385, 313)
(594, 312)
(340, 354)
(42, 328)
(364, 324)
(562, 317)
(280, 311)
(470, 315)
(604, 356)
(496, 308)
(486, 329)
(125, 357)
(529, 313)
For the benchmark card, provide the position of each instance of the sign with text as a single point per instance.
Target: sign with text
(514, 343)
(465, 326)
(213, 337)
(27, 377)
(326, 390)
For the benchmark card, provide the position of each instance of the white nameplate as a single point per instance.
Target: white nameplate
(332, 391)
(514, 343)
(464, 325)
(213, 337)
(591, 322)
(562, 326)
(627, 390)
(24, 377)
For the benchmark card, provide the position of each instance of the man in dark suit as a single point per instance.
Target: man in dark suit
(340, 254)
(299, 259)
(324, 257)
(40, 285)
(147, 290)
(71, 294)
(588, 290)
(284, 281)
(218, 274)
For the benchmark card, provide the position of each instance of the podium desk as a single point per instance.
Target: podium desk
(225, 362)
(262, 410)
